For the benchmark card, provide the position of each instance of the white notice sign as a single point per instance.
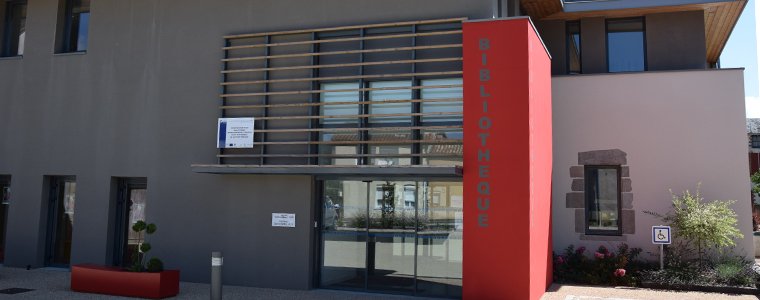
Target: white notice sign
(217, 261)
(234, 133)
(283, 220)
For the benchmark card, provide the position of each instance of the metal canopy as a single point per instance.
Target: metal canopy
(362, 170)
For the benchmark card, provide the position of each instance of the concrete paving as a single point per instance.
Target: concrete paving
(54, 284)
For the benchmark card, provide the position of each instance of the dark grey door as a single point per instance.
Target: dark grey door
(60, 220)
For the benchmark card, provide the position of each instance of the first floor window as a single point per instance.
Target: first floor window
(603, 200)
(625, 45)
(573, 47)
(15, 28)
(73, 26)
(755, 141)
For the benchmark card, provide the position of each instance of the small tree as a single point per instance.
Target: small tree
(706, 225)
(138, 258)
(755, 178)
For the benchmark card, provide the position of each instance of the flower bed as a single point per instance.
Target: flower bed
(603, 267)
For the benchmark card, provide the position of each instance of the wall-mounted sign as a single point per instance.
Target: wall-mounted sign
(234, 133)
(283, 220)
(217, 261)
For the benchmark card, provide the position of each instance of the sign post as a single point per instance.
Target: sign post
(661, 236)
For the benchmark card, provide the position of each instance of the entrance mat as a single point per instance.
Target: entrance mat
(12, 291)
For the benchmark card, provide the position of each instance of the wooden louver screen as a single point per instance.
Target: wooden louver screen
(331, 95)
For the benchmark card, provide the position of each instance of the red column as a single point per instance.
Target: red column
(507, 161)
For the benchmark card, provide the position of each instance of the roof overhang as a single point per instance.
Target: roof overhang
(720, 15)
(591, 5)
(332, 170)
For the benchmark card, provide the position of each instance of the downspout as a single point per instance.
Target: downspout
(506, 8)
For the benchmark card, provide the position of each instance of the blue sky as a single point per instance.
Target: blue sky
(742, 51)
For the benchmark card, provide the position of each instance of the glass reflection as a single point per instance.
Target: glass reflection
(439, 245)
(64, 224)
(390, 253)
(344, 234)
(395, 236)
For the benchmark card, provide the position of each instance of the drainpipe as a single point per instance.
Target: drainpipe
(505, 8)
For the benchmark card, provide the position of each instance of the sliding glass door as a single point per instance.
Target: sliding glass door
(392, 236)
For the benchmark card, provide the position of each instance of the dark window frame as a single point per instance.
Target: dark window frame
(568, 40)
(70, 39)
(6, 50)
(589, 198)
(643, 37)
(754, 141)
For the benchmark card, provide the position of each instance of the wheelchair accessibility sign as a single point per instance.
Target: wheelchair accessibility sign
(661, 235)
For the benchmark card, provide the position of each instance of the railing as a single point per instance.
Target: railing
(279, 78)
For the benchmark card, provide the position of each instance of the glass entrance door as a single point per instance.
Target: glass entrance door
(130, 208)
(5, 196)
(392, 236)
(60, 220)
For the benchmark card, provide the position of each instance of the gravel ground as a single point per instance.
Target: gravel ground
(569, 292)
(54, 284)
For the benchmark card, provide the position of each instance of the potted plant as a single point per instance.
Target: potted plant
(142, 279)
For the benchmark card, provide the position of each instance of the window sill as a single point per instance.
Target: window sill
(17, 57)
(610, 238)
(70, 53)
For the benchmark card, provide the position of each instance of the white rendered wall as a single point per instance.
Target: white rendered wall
(678, 129)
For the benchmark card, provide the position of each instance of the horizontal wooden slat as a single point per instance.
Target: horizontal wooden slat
(421, 74)
(361, 116)
(371, 63)
(354, 129)
(336, 155)
(398, 142)
(396, 49)
(328, 29)
(363, 38)
(340, 91)
(339, 103)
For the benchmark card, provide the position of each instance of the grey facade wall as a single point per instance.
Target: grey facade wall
(676, 41)
(142, 102)
(593, 45)
(554, 37)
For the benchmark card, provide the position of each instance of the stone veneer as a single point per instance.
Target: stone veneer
(576, 198)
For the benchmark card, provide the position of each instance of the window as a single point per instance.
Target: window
(14, 26)
(625, 45)
(387, 136)
(755, 141)
(73, 24)
(602, 200)
(573, 47)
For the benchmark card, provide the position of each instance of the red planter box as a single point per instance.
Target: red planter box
(114, 281)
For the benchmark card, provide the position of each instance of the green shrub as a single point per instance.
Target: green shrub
(154, 265)
(704, 225)
(735, 271)
(138, 258)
